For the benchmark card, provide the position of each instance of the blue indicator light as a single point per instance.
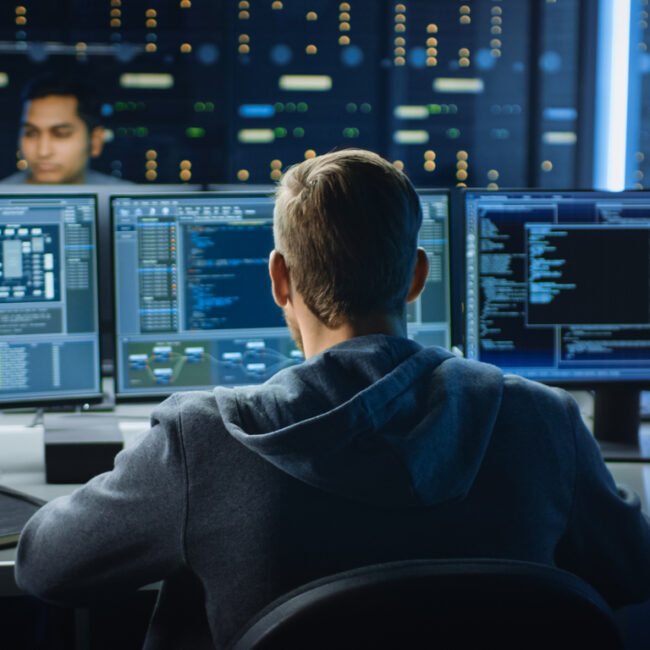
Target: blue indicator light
(256, 110)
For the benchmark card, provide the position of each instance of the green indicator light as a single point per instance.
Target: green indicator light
(453, 108)
(290, 107)
(199, 107)
(280, 132)
(302, 107)
(435, 109)
(120, 106)
(141, 132)
(453, 133)
(366, 108)
(209, 106)
(351, 107)
(445, 108)
(279, 107)
(195, 132)
(298, 132)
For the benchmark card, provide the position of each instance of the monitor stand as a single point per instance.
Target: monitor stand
(79, 445)
(617, 419)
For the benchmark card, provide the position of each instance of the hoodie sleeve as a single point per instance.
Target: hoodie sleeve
(607, 540)
(121, 530)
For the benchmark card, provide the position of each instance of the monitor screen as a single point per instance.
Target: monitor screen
(49, 321)
(193, 301)
(557, 284)
(428, 319)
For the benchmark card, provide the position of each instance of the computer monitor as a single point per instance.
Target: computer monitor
(428, 318)
(557, 286)
(49, 321)
(193, 301)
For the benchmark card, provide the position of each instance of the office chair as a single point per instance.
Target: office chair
(458, 603)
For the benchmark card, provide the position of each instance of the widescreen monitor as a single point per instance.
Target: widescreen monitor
(557, 289)
(49, 320)
(193, 302)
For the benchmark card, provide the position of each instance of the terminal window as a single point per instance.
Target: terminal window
(557, 284)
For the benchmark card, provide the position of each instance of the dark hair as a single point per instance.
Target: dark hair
(347, 224)
(88, 107)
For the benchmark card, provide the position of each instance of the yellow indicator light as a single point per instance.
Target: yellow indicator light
(243, 175)
(411, 137)
(277, 5)
(400, 28)
(307, 82)
(151, 13)
(547, 166)
(244, 49)
(432, 28)
(492, 186)
(399, 51)
(116, 13)
(399, 60)
(406, 112)
(344, 15)
(22, 164)
(400, 18)
(465, 9)
(185, 175)
(495, 30)
(400, 8)
(429, 166)
(463, 63)
(311, 49)
(116, 22)
(186, 4)
(21, 20)
(244, 38)
(398, 164)
(344, 6)
(243, 15)
(430, 155)
(21, 11)
(344, 40)
(151, 175)
(461, 164)
(248, 136)
(151, 23)
(186, 48)
(151, 154)
(432, 42)
(276, 175)
(465, 20)
(151, 164)
(462, 155)
(310, 153)
(185, 164)
(432, 61)
(312, 15)
(400, 41)
(461, 175)
(276, 164)
(151, 47)
(344, 27)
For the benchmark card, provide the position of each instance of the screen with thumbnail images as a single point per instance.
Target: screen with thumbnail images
(193, 301)
(557, 284)
(49, 322)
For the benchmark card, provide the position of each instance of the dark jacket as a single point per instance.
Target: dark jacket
(375, 450)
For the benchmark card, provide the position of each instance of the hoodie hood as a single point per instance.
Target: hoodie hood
(377, 419)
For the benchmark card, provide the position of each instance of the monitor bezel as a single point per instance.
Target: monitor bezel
(82, 398)
(122, 397)
(459, 198)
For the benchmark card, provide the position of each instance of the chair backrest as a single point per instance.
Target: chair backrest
(458, 603)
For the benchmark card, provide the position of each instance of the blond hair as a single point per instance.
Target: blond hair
(347, 224)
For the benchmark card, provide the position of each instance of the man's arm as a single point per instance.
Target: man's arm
(121, 530)
(607, 541)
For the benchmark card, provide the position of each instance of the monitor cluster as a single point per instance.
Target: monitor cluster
(170, 291)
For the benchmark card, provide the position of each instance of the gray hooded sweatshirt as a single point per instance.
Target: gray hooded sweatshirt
(372, 451)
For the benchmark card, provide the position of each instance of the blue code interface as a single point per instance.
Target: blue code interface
(557, 284)
(49, 337)
(194, 306)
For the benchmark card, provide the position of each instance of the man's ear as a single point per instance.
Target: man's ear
(97, 136)
(280, 281)
(420, 274)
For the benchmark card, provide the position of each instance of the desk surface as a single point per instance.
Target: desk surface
(22, 465)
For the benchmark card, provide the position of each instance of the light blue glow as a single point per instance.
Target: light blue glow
(612, 89)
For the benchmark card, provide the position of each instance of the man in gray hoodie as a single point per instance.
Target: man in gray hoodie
(373, 449)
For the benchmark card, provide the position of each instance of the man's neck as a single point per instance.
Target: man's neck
(317, 338)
